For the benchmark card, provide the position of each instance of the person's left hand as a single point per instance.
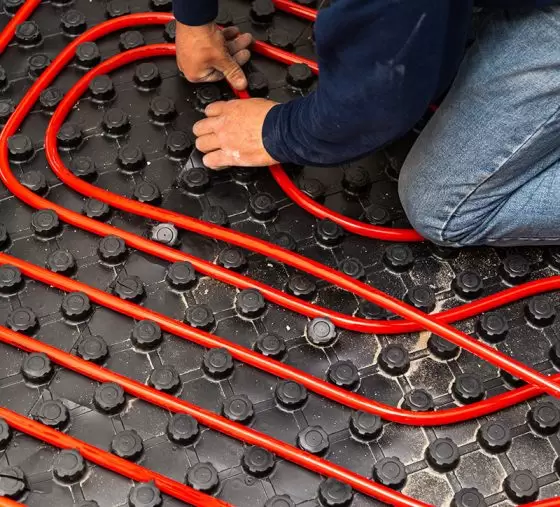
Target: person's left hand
(231, 135)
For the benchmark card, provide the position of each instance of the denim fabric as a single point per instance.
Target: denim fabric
(486, 169)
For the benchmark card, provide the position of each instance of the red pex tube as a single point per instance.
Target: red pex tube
(298, 10)
(7, 502)
(109, 461)
(205, 417)
(19, 17)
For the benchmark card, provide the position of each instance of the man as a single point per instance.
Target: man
(485, 170)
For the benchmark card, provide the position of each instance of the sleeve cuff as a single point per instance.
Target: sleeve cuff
(192, 13)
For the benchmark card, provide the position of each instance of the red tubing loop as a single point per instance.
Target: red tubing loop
(211, 420)
(7, 502)
(109, 461)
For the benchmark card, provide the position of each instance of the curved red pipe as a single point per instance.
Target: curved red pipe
(19, 17)
(301, 11)
(7, 502)
(109, 461)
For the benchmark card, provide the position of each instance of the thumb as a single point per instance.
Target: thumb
(232, 72)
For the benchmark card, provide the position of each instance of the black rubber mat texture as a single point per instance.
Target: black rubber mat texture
(430, 268)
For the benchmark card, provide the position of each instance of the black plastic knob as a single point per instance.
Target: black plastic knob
(328, 233)
(418, 400)
(76, 306)
(257, 461)
(398, 258)
(468, 497)
(13, 483)
(492, 327)
(170, 31)
(544, 418)
(232, 258)
(521, 486)
(73, 22)
(166, 234)
(200, 316)
(356, 180)
(301, 286)
(195, 180)
(206, 95)
(127, 444)
(468, 388)
(443, 454)
(250, 303)
(146, 335)
(421, 297)
(320, 332)
(394, 359)
(162, 109)
(112, 249)
(10, 279)
(216, 215)
(182, 429)
(181, 275)
(20, 148)
(165, 379)
(37, 368)
(244, 175)
(109, 398)
(468, 285)
(313, 439)
(22, 320)
(390, 472)
(69, 466)
(130, 158)
(284, 240)
(88, 56)
(145, 494)
(203, 477)
(5, 434)
(147, 76)
(300, 76)
(281, 39)
(238, 408)
(290, 395)
(217, 363)
(93, 348)
(116, 8)
(129, 288)
(83, 167)
(147, 192)
(28, 34)
(280, 501)
(258, 84)
(45, 223)
(442, 348)
(313, 188)
(494, 437)
(263, 206)
(161, 5)
(515, 269)
(53, 413)
(178, 144)
(352, 267)
(131, 39)
(116, 122)
(271, 345)
(102, 89)
(96, 209)
(343, 374)
(37, 64)
(365, 426)
(262, 11)
(35, 181)
(333, 493)
(540, 311)
(371, 311)
(6, 109)
(378, 215)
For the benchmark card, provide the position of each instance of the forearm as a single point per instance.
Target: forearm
(195, 12)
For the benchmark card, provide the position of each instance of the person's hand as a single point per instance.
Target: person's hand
(206, 54)
(231, 135)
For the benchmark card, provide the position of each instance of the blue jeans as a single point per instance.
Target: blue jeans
(486, 169)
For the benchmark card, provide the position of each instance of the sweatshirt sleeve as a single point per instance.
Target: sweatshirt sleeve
(380, 68)
(195, 12)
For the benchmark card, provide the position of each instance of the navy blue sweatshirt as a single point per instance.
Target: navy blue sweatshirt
(382, 62)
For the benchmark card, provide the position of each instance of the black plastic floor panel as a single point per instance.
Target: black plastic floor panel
(434, 367)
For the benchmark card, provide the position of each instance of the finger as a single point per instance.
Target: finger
(239, 43)
(216, 160)
(214, 109)
(211, 77)
(230, 33)
(242, 57)
(207, 143)
(204, 127)
(232, 72)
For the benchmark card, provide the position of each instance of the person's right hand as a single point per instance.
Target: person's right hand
(206, 54)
